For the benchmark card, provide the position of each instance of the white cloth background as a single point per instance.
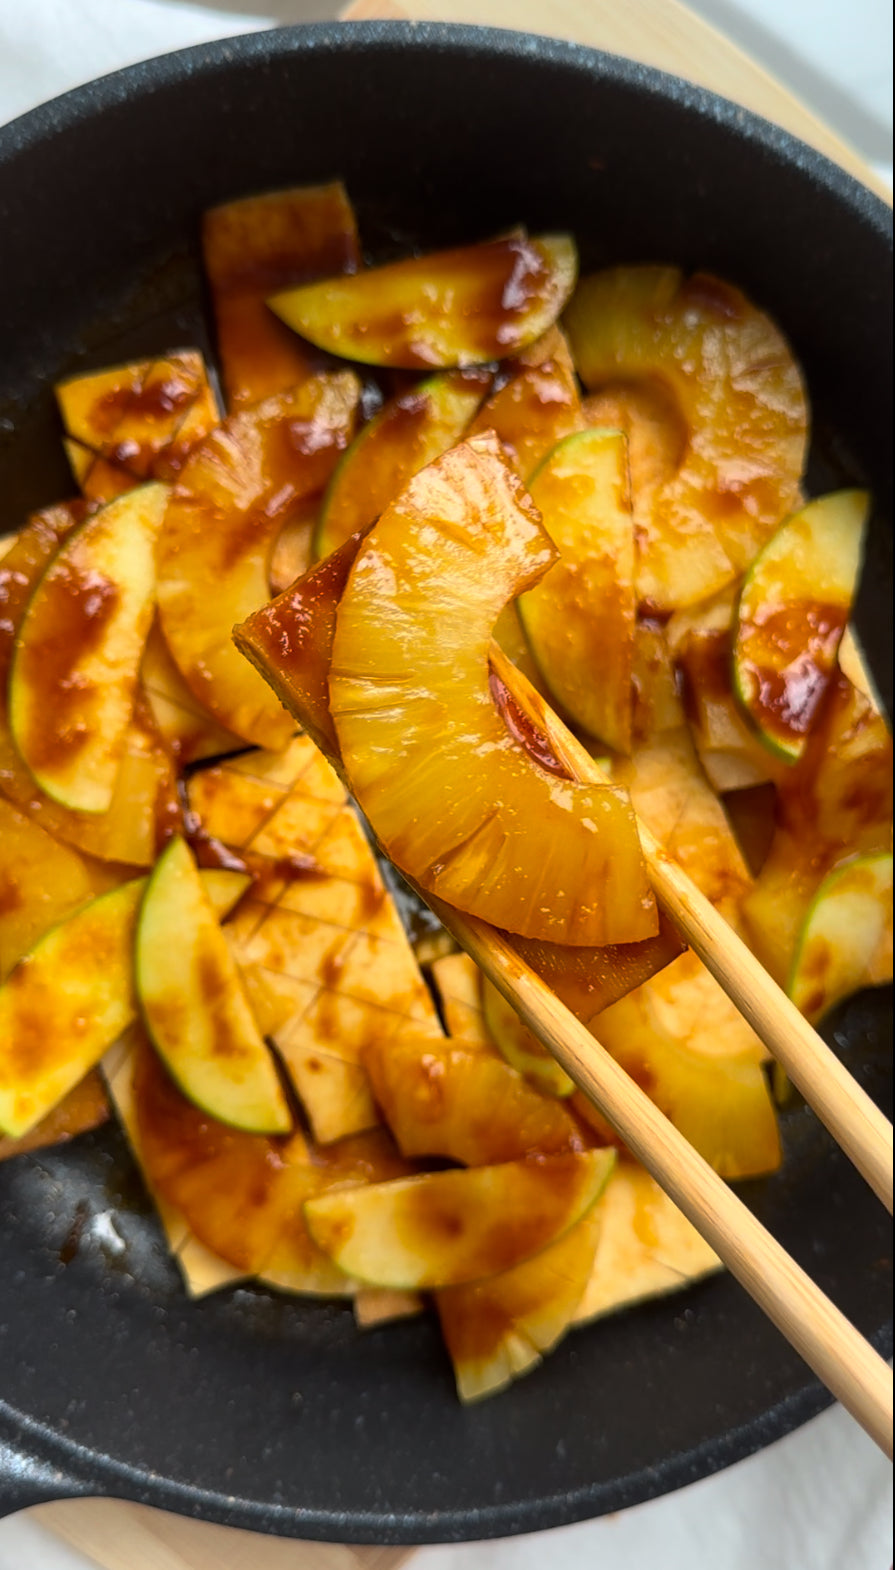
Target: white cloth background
(822, 1498)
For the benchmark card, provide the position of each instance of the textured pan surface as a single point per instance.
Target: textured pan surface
(276, 1414)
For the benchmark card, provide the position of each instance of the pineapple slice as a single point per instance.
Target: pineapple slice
(449, 792)
(290, 641)
(440, 1100)
(535, 404)
(85, 1107)
(446, 1228)
(655, 699)
(78, 651)
(188, 730)
(138, 420)
(701, 641)
(580, 619)
(791, 614)
(97, 479)
(646, 1246)
(291, 555)
(498, 1329)
(260, 243)
(144, 805)
(319, 942)
(410, 432)
(716, 376)
(41, 882)
(846, 942)
(451, 308)
(233, 495)
(375, 1306)
(671, 795)
(458, 980)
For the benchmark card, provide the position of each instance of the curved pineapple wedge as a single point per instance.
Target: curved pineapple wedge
(411, 431)
(499, 1329)
(580, 619)
(455, 800)
(232, 498)
(78, 649)
(450, 308)
(441, 1100)
(445, 1228)
(791, 615)
(715, 375)
(241, 1194)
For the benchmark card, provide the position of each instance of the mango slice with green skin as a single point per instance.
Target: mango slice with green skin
(194, 1005)
(439, 1099)
(792, 612)
(445, 1228)
(695, 360)
(846, 941)
(234, 494)
(411, 431)
(241, 1194)
(456, 801)
(253, 246)
(498, 1329)
(520, 1047)
(77, 655)
(449, 308)
(69, 998)
(580, 618)
(701, 643)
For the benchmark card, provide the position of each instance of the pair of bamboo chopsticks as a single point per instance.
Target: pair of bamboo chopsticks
(832, 1347)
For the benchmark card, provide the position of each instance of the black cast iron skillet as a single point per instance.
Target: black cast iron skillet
(251, 1408)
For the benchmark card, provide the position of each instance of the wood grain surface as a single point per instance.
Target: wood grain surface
(663, 33)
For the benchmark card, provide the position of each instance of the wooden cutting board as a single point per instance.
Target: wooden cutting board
(663, 33)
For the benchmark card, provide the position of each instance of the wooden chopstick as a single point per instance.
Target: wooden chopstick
(855, 1122)
(830, 1345)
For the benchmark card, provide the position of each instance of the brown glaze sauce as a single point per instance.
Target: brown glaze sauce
(524, 730)
(705, 293)
(789, 655)
(83, 604)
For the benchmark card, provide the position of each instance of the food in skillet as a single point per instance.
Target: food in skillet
(321, 1093)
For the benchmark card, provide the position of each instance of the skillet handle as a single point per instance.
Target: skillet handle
(25, 1480)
